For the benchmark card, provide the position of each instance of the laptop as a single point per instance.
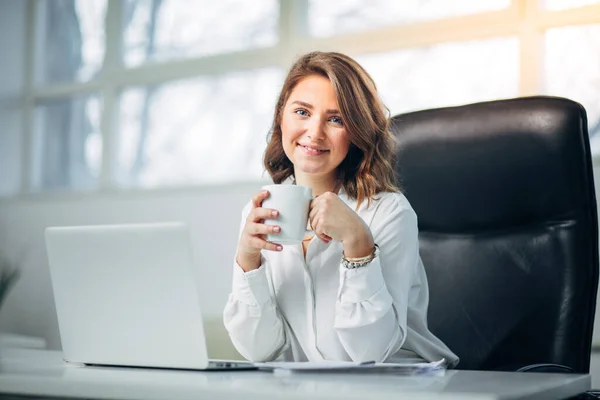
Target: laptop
(127, 295)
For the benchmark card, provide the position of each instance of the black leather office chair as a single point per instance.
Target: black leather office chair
(505, 197)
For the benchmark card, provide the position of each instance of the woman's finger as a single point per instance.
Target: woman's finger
(324, 237)
(313, 211)
(311, 222)
(258, 198)
(259, 214)
(311, 217)
(314, 203)
(259, 243)
(263, 229)
(316, 224)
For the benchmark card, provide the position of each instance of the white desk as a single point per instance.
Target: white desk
(43, 373)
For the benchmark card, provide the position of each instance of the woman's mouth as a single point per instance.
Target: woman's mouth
(312, 151)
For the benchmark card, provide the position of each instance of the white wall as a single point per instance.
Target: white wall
(213, 214)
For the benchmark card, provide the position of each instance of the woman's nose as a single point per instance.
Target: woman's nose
(316, 130)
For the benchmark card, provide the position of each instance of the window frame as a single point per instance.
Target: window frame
(525, 19)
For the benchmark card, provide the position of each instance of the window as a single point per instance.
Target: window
(161, 30)
(120, 94)
(572, 69)
(71, 40)
(11, 146)
(201, 130)
(68, 143)
(472, 71)
(331, 17)
(12, 20)
(565, 4)
(13, 67)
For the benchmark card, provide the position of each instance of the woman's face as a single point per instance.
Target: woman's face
(313, 134)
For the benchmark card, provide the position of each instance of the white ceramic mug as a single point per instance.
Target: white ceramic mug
(292, 202)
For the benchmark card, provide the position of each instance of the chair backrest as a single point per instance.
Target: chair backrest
(505, 197)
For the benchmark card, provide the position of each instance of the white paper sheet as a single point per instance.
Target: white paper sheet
(407, 368)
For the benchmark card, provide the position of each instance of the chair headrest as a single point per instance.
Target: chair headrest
(493, 165)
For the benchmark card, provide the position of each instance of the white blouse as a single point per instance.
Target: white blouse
(316, 309)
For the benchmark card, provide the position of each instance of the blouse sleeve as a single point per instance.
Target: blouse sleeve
(372, 302)
(251, 316)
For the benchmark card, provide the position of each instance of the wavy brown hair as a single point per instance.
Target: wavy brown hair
(369, 165)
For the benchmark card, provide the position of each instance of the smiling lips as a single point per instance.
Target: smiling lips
(313, 151)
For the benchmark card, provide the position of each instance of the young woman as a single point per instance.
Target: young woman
(356, 288)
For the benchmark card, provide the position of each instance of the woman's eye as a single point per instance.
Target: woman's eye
(337, 120)
(302, 112)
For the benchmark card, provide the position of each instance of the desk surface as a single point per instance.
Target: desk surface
(43, 373)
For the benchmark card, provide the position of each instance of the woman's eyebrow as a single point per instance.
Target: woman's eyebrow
(310, 107)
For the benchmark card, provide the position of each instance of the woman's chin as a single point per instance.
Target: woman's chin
(313, 170)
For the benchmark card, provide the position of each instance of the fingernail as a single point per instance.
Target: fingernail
(276, 229)
(274, 213)
(279, 248)
(264, 192)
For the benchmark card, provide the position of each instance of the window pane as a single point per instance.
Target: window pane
(12, 42)
(446, 74)
(572, 69)
(564, 4)
(158, 30)
(332, 17)
(72, 39)
(10, 151)
(67, 144)
(209, 129)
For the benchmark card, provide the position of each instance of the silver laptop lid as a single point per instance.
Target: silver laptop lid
(127, 295)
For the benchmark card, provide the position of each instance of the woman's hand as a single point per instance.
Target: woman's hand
(331, 219)
(253, 237)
